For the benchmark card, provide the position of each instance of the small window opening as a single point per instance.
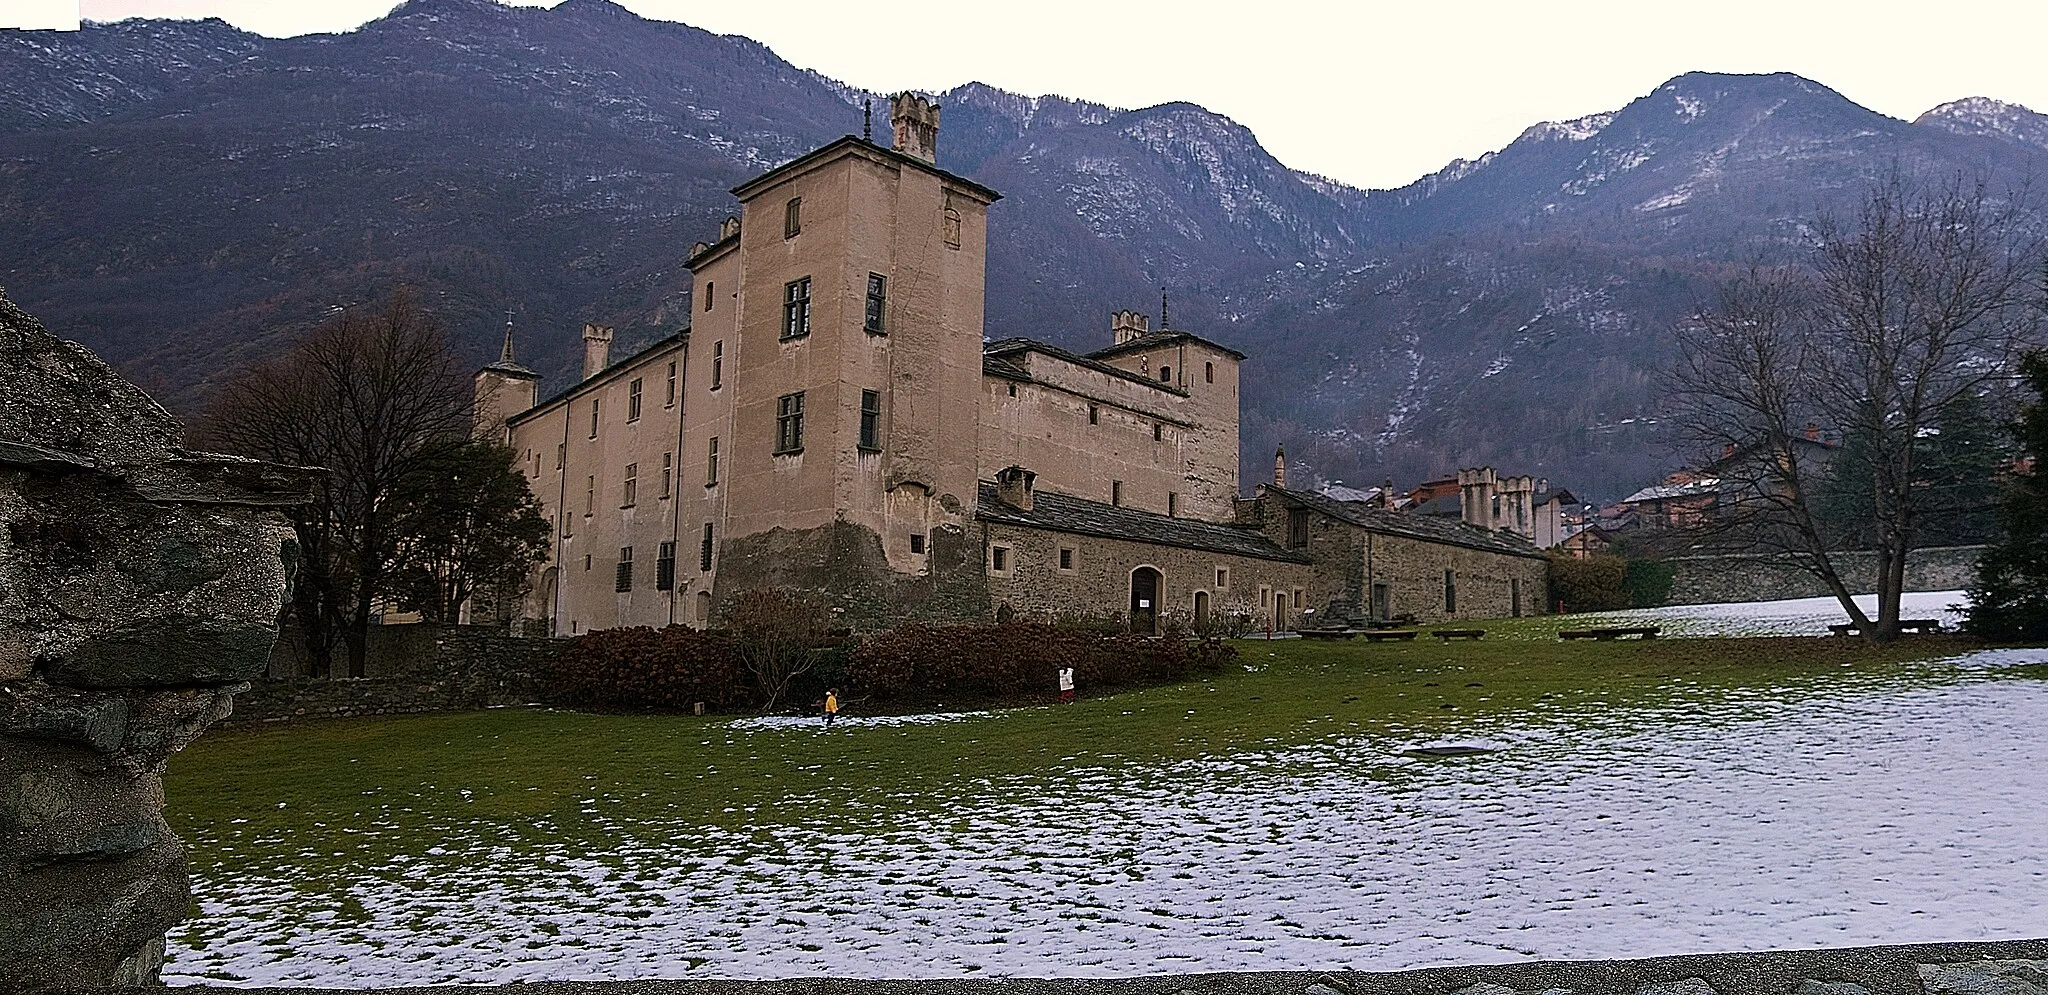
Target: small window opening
(878, 302)
(917, 543)
(871, 420)
(793, 218)
(633, 400)
(1165, 373)
(1116, 493)
(624, 581)
(999, 558)
(1066, 559)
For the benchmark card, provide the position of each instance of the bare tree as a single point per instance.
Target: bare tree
(778, 634)
(372, 395)
(1911, 310)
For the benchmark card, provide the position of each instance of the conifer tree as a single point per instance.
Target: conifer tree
(2010, 600)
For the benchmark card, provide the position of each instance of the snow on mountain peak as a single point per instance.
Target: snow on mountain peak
(1577, 129)
(1989, 118)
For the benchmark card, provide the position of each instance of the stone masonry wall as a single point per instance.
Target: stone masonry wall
(140, 586)
(411, 668)
(1033, 585)
(1717, 579)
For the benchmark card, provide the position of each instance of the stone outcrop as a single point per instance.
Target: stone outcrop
(140, 586)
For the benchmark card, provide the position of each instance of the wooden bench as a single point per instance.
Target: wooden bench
(1449, 634)
(1325, 633)
(1639, 631)
(1381, 635)
(1920, 625)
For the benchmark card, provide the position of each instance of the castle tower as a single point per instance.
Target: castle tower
(502, 389)
(915, 124)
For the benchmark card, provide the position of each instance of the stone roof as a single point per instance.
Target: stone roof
(1011, 346)
(1162, 337)
(1061, 513)
(1408, 525)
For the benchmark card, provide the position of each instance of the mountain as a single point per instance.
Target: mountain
(185, 197)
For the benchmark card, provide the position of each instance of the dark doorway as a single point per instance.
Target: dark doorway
(1145, 601)
(1382, 601)
(1202, 612)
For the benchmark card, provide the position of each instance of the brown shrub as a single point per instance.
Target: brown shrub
(642, 669)
(1014, 659)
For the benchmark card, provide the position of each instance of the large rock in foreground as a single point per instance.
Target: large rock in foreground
(140, 585)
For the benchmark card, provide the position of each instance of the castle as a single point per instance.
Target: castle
(832, 420)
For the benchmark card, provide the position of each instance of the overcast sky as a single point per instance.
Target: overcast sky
(1369, 92)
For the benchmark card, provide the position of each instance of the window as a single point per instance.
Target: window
(1172, 503)
(624, 580)
(1066, 558)
(1158, 431)
(878, 300)
(1297, 527)
(1013, 390)
(710, 293)
(1116, 493)
(561, 454)
(1208, 372)
(633, 400)
(870, 419)
(789, 423)
(665, 567)
(1222, 577)
(1450, 591)
(630, 495)
(917, 543)
(796, 308)
(1094, 415)
(793, 218)
(668, 474)
(670, 400)
(590, 496)
(717, 364)
(593, 418)
(704, 550)
(586, 561)
(999, 558)
(951, 228)
(1165, 373)
(711, 464)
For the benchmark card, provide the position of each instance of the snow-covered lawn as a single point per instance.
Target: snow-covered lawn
(1869, 814)
(1797, 617)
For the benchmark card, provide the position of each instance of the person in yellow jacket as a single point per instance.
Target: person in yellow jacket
(831, 706)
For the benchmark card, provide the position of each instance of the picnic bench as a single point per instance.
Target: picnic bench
(1381, 635)
(1618, 632)
(1394, 622)
(1326, 633)
(1449, 634)
(1920, 625)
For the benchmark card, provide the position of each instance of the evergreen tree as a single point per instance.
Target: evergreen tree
(467, 524)
(2010, 600)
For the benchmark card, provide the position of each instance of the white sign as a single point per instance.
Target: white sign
(1142, 603)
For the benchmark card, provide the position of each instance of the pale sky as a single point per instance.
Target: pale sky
(1369, 92)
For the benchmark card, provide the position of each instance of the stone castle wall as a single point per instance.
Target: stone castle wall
(410, 669)
(1719, 579)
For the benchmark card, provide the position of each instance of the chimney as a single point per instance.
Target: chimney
(1127, 325)
(915, 122)
(1280, 467)
(1013, 487)
(597, 349)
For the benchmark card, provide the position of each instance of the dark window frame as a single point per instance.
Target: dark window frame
(629, 490)
(622, 579)
(704, 549)
(711, 463)
(796, 308)
(717, 364)
(665, 567)
(634, 391)
(870, 421)
(789, 424)
(793, 218)
(875, 318)
(1297, 528)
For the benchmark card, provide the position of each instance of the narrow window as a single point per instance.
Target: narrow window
(1515, 597)
(561, 454)
(630, 495)
(1013, 390)
(796, 308)
(917, 543)
(952, 228)
(878, 301)
(1450, 591)
(1208, 372)
(670, 400)
(789, 423)
(624, 581)
(1094, 415)
(1165, 373)
(1172, 504)
(668, 475)
(1297, 527)
(586, 560)
(1222, 576)
(633, 400)
(793, 217)
(711, 464)
(1066, 558)
(665, 567)
(710, 293)
(1158, 431)
(717, 364)
(704, 549)
(593, 418)
(870, 420)
(1116, 493)
(999, 558)
(590, 496)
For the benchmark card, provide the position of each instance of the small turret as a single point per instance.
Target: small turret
(1127, 325)
(1280, 467)
(915, 123)
(502, 389)
(597, 349)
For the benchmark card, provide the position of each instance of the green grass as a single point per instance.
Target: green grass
(362, 789)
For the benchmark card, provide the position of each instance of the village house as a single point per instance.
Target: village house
(832, 420)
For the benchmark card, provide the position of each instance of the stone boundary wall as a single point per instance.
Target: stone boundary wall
(2010, 967)
(1770, 577)
(410, 668)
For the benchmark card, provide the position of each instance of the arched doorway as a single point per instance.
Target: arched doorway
(1202, 612)
(1145, 601)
